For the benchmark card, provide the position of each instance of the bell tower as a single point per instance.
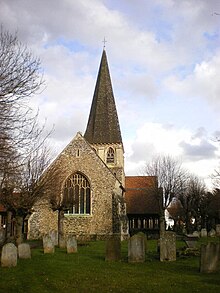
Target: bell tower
(103, 130)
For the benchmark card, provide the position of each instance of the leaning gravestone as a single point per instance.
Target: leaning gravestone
(204, 232)
(191, 241)
(168, 247)
(217, 228)
(113, 248)
(136, 248)
(71, 244)
(209, 259)
(212, 233)
(9, 255)
(24, 251)
(196, 234)
(48, 244)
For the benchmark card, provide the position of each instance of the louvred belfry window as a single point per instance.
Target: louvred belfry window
(77, 196)
(110, 156)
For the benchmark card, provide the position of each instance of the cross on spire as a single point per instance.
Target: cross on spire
(104, 41)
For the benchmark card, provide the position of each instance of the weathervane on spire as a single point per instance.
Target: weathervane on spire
(104, 41)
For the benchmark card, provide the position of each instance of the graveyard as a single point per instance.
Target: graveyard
(87, 270)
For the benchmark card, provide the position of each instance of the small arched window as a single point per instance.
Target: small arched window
(77, 196)
(110, 156)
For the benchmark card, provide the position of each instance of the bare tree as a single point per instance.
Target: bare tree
(171, 177)
(23, 189)
(20, 78)
(21, 156)
(191, 199)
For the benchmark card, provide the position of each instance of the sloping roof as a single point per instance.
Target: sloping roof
(140, 195)
(103, 125)
(2, 208)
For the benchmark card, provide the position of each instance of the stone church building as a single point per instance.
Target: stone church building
(86, 195)
(89, 178)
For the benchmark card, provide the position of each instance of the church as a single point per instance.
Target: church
(88, 186)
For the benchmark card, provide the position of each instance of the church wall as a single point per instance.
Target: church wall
(79, 157)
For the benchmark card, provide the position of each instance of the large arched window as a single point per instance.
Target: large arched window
(110, 156)
(77, 195)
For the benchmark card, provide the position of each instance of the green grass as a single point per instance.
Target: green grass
(87, 271)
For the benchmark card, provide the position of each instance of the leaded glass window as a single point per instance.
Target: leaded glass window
(77, 198)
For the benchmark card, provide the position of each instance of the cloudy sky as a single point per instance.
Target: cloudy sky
(164, 59)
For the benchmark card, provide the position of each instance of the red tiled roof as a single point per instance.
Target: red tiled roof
(2, 208)
(140, 195)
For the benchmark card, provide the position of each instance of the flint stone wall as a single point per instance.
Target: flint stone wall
(78, 156)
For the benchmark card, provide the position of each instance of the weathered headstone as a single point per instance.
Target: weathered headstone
(2, 236)
(113, 248)
(217, 228)
(145, 240)
(204, 232)
(136, 248)
(24, 250)
(209, 257)
(48, 244)
(9, 255)
(196, 234)
(212, 233)
(168, 247)
(191, 240)
(54, 236)
(71, 244)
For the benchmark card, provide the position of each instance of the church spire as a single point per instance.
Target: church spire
(103, 124)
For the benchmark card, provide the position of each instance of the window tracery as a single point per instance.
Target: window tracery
(77, 198)
(110, 156)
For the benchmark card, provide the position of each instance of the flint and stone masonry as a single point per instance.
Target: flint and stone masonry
(98, 156)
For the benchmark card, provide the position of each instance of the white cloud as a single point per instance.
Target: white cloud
(195, 150)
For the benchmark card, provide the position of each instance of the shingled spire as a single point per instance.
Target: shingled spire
(103, 125)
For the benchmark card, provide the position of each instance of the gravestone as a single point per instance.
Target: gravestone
(212, 233)
(196, 234)
(136, 248)
(9, 255)
(145, 239)
(48, 244)
(204, 232)
(191, 240)
(24, 251)
(54, 237)
(2, 236)
(209, 258)
(217, 228)
(71, 244)
(113, 248)
(168, 247)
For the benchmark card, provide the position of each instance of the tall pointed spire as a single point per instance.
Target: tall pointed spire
(103, 125)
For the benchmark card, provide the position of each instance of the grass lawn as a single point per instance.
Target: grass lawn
(87, 271)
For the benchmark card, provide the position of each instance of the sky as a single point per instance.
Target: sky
(164, 60)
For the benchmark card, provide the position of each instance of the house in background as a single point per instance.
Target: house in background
(142, 205)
